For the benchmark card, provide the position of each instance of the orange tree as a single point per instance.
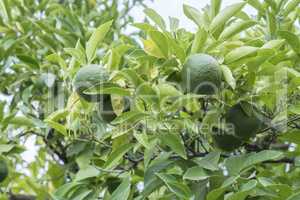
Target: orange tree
(169, 114)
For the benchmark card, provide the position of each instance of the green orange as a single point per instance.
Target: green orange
(201, 74)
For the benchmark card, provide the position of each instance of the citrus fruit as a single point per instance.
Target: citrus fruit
(225, 141)
(3, 170)
(244, 119)
(201, 74)
(87, 77)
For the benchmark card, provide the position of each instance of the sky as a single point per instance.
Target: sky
(173, 8)
(165, 8)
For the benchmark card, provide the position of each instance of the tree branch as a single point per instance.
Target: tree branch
(283, 160)
(272, 127)
(21, 197)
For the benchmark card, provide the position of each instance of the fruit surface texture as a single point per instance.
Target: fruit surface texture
(201, 74)
(106, 109)
(87, 77)
(244, 120)
(226, 141)
(3, 170)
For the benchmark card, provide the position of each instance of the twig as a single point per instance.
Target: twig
(283, 160)
(272, 127)
(21, 197)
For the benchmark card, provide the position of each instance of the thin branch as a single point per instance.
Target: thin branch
(272, 127)
(21, 197)
(283, 160)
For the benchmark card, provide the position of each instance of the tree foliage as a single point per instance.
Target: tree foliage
(157, 139)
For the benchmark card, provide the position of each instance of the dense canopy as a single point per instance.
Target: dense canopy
(111, 107)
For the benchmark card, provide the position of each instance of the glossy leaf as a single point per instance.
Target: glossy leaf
(228, 76)
(196, 174)
(199, 41)
(193, 14)
(236, 28)
(292, 40)
(154, 16)
(123, 190)
(95, 40)
(240, 53)
(225, 15)
(174, 142)
(115, 156)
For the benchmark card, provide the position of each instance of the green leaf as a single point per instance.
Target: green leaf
(57, 59)
(176, 49)
(130, 117)
(156, 18)
(5, 148)
(257, 5)
(245, 191)
(115, 156)
(148, 94)
(225, 15)
(160, 41)
(295, 196)
(215, 194)
(215, 7)
(273, 44)
(209, 162)
(291, 136)
(174, 141)
(152, 49)
(82, 195)
(180, 190)
(294, 109)
(131, 76)
(115, 57)
(283, 191)
(142, 139)
(145, 27)
(291, 6)
(88, 172)
(199, 41)
(83, 159)
(29, 60)
(272, 24)
(4, 10)
(77, 54)
(193, 14)
(151, 186)
(240, 53)
(230, 80)
(114, 60)
(236, 164)
(161, 162)
(57, 115)
(122, 191)
(195, 174)
(57, 126)
(291, 39)
(174, 23)
(272, 4)
(65, 189)
(21, 121)
(107, 88)
(95, 39)
(211, 118)
(165, 90)
(236, 28)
